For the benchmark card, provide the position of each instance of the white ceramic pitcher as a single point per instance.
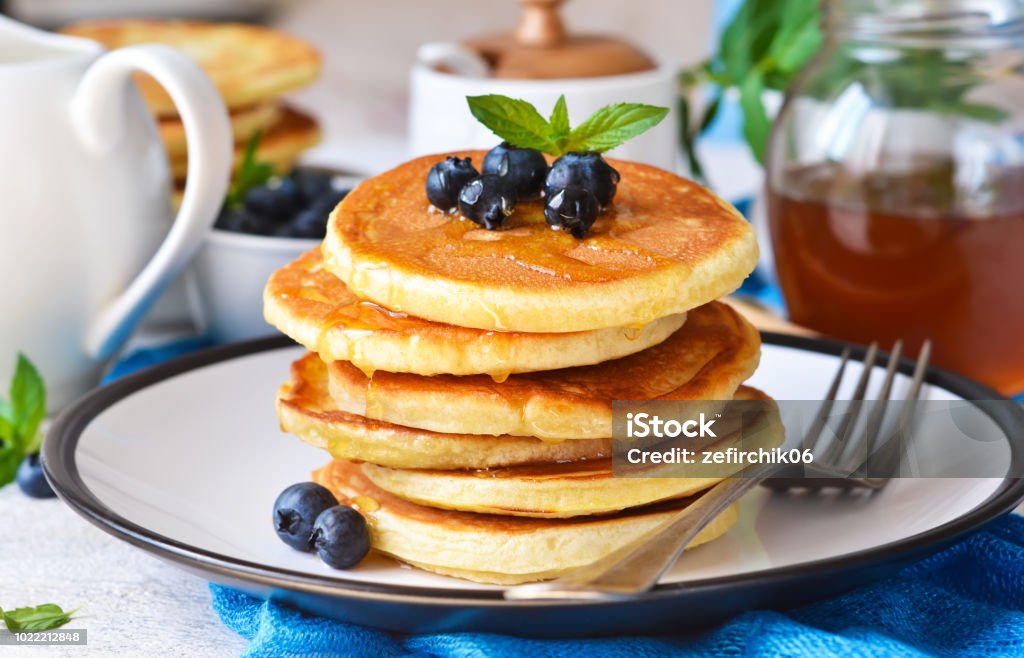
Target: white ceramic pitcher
(84, 197)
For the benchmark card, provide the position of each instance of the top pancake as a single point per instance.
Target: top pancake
(316, 309)
(665, 246)
(247, 63)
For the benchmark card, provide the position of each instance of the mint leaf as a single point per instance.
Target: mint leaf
(26, 401)
(515, 121)
(6, 426)
(251, 173)
(40, 618)
(10, 459)
(756, 124)
(614, 124)
(560, 123)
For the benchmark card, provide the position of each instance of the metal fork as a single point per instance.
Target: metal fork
(845, 463)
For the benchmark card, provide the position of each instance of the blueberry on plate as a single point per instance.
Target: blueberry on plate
(341, 537)
(31, 480)
(573, 209)
(524, 168)
(588, 170)
(447, 178)
(488, 200)
(296, 510)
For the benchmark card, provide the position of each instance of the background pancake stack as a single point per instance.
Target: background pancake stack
(251, 66)
(462, 379)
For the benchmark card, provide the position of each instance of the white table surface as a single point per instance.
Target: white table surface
(132, 603)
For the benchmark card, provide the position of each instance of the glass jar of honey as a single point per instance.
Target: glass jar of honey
(895, 178)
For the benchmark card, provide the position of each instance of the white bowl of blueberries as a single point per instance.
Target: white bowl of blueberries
(270, 226)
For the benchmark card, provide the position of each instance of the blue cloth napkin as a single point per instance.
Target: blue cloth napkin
(966, 601)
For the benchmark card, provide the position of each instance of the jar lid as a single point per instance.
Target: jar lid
(541, 48)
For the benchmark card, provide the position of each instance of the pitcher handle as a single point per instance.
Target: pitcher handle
(98, 113)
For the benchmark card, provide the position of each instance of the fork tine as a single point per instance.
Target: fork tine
(841, 441)
(874, 425)
(782, 483)
(895, 448)
(814, 433)
(907, 417)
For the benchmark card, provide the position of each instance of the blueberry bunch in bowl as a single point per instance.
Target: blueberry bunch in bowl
(575, 189)
(292, 206)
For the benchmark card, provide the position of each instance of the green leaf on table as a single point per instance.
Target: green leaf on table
(614, 124)
(756, 124)
(40, 618)
(26, 401)
(6, 426)
(20, 417)
(251, 173)
(560, 123)
(10, 459)
(515, 121)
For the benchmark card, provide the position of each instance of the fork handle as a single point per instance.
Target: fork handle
(636, 567)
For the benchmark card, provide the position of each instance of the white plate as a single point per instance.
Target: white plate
(185, 460)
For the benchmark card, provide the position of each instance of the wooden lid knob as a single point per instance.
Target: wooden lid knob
(540, 23)
(541, 48)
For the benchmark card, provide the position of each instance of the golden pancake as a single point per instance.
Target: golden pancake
(316, 309)
(563, 490)
(244, 122)
(707, 359)
(248, 64)
(280, 146)
(305, 408)
(496, 549)
(665, 246)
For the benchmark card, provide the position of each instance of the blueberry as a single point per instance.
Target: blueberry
(310, 223)
(488, 200)
(312, 184)
(296, 510)
(589, 170)
(277, 200)
(525, 168)
(447, 178)
(31, 480)
(325, 205)
(573, 209)
(242, 221)
(341, 537)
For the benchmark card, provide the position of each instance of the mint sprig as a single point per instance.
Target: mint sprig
(21, 414)
(251, 173)
(520, 124)
(38, 618)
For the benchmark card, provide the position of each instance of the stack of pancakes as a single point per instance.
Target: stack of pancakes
(251, 66)
(462, 379)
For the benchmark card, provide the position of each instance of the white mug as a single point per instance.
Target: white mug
(84, 197)
(439, 118)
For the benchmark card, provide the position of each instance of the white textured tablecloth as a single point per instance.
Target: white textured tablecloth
(132, 603)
